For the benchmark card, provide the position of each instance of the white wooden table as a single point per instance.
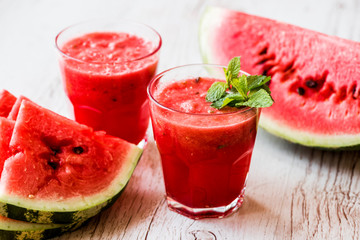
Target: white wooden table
(293, 192)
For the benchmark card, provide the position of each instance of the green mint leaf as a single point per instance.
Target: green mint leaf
(265, 87)
(232, 71)
(239, 91)
(240, 84)
(258, 99)
(227, 77)
(218, 103)
(216, 91)
(234, 67)
(222, 102)
(230, 99)
(235, 96)
(255, 81)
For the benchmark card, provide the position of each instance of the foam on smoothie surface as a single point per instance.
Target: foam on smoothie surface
(189, 96)
(111, 48)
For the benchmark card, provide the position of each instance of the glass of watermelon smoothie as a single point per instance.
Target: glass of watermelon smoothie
(105, 67)
(205, 152)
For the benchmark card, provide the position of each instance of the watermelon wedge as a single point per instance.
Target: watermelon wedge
(61, 171)
(12, 229)
(6, 129)
(15, 108)
(315, 77)
(7, 100)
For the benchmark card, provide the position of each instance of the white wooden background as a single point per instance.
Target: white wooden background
(293, 192)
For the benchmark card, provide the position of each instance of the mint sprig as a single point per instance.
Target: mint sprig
(240, 91)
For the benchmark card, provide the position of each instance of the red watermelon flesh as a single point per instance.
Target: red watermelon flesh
(315, 77)
(58, 158)
(7, 100)
(15, 108)
(6, 129)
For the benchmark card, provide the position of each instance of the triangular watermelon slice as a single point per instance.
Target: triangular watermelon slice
(14, 229)
(15, 108)
(6, 129)
(7, 100)
(315, 77)
(61, 171)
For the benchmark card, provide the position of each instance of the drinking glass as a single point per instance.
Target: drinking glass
(105, 76)
(205, 156)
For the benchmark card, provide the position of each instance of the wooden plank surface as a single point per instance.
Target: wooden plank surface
(293, 192)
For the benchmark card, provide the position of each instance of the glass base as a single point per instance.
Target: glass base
(199, 213)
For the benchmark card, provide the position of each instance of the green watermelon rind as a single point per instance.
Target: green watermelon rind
(17, 230)
(71, 210)
(209, 19)
(352, 142)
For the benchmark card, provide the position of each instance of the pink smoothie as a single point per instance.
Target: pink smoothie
(105, 76)
(205, 152)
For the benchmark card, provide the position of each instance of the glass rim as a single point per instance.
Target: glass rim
(159, 75)
(157, 48)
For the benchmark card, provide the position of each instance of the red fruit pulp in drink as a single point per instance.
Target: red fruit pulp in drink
(205, 152)
(105, 76)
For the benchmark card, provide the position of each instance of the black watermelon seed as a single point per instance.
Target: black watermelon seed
(53, 162)
(197, 79)
(53, 165)
(78, 150)
(301, 91)
(311, 84)
(264, 51)
(55, 150)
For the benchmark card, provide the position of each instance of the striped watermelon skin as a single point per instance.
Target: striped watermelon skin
(26, 214)
(16, 230)
(315, 77)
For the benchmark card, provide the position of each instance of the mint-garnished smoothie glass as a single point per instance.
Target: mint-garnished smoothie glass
(106, 67)
(205, 151)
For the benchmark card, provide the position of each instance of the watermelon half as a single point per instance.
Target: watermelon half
(60, 171)
(315, 77)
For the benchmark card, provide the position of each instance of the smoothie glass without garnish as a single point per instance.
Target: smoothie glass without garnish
(105, 67)
(205, 156)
